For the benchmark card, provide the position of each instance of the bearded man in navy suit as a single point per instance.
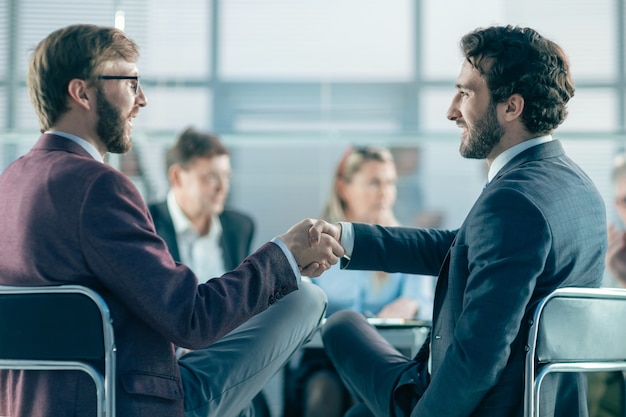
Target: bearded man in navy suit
(539, 225)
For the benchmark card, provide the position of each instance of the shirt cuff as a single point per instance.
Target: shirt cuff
(347, 239)
(289, 256)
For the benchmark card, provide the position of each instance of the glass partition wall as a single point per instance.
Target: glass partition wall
(288, 84)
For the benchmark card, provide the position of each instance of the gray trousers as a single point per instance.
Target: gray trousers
(222, 379)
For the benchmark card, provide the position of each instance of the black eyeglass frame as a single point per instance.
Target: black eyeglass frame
(122, 77)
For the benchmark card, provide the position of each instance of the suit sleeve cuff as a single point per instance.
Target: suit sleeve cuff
(292, 260)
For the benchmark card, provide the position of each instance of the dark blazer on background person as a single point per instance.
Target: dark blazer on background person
(539, 225)
(236, 239)
(69, 219)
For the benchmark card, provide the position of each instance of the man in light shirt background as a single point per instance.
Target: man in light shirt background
(198, 230)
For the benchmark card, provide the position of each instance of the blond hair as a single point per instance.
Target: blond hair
(350, 164)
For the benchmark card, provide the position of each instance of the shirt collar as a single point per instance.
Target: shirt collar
(82, 142)
(502, 159)
(180, 221)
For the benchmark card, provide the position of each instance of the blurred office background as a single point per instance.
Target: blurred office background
(288, 84)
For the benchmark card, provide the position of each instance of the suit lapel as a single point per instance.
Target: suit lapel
(442, 286)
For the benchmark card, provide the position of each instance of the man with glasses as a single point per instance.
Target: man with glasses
(68, 218)
(192, 220)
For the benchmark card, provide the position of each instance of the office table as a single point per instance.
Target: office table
(405, 335)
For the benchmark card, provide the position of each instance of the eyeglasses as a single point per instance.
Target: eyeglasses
(135, 86)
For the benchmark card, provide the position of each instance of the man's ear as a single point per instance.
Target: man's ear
(79, 93)
(340, 188)
(173, 174)
(514, 106)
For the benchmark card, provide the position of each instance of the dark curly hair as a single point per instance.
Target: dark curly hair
(517, 60)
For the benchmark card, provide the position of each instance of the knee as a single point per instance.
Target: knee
(312, 299)
(338, 322)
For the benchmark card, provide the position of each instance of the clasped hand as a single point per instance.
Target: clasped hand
(315, 245)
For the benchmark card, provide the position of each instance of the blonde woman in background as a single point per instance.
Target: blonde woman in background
(364, 191)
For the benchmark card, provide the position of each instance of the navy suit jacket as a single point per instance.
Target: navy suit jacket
(236, 239)
(68, 219)
(539, 225)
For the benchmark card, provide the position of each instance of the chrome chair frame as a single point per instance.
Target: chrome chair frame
(574, 330)
(45, 335)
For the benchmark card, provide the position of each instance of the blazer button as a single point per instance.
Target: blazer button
(271, 300)
(283, 290)
(277, 295)
(437, 337)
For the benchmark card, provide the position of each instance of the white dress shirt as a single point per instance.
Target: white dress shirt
(203, 254)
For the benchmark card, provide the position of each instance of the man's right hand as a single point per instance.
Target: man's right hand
(314, 244)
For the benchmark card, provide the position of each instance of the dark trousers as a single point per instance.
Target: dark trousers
(384, 381)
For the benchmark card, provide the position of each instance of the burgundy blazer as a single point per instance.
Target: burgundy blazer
(68, 219)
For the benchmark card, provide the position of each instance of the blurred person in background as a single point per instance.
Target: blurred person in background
(410, 208)
(364, 191)
(616, 252)
(198, 230)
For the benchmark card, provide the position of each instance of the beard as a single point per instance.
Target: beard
(483, 136)
(110, 127)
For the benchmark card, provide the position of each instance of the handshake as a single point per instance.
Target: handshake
(315, 245)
